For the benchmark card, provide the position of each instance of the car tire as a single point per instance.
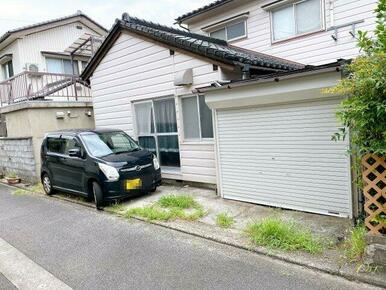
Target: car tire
(98, 195)
(153, 189)
(47, 184)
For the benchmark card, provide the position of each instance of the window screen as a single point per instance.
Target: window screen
(235, 30)
(206, 119)
(220, 34)
(283, 23)
(190, 117)
(298, 18)
(197, 117)
(308, 16)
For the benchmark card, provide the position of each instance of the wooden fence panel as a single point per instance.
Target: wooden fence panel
(374, 190)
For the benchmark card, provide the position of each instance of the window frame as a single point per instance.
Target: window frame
(296, 35)
(75, 62)
(200, 139)
(225, 26)
(155, 134)
(7, 68)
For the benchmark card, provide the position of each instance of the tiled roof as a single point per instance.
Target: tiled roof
(200, 10)
(77, 14)
(206, 46)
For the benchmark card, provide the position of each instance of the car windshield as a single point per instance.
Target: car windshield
(106, 143)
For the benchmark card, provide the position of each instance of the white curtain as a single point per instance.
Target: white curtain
(143, 116)
(308, 16)
(165, 116)
(283, 23)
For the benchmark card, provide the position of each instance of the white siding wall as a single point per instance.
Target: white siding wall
(314, 49)
(135, 69)
(56, 40)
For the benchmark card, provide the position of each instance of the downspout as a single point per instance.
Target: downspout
(332, 16)
(183, 27)
(246, 72)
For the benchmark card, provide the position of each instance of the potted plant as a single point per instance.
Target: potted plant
(12, 178)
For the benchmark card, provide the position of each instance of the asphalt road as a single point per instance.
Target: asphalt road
(87, 249)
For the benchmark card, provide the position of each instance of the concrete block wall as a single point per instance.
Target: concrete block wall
(17, 155)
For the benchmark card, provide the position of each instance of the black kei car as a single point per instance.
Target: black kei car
(101, 164)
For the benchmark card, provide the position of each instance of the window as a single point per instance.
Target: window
(56, 145)
(231, 31)
(102, 144)
(7, 69)
(197, 117)
(71, 144)
(157, 129)
(298, 18)
(62, 66)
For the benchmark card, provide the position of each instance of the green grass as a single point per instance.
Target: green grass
(355, 244)
(169, 207)
(177, 201)
(223, 220)
(278, 234)
(151, 213)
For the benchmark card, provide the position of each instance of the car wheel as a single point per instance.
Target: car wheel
(47, 184)
(153, 189)
(98, 195)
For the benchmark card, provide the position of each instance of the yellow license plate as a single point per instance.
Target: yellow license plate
(133, 184)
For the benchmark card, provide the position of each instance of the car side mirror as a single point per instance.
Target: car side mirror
(75, 153)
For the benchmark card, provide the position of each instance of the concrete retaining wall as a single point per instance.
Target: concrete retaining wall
(36, 118)
(17, 155)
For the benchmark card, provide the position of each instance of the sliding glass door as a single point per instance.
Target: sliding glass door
(157, 129)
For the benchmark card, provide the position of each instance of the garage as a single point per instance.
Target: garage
(274, 145)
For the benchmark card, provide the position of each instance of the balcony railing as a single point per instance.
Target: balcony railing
(30, 86)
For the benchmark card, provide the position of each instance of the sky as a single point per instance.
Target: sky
(17, 13)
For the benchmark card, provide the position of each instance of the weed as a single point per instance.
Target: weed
(37, 187)
(223, 220)
(355, 244)
(284, 235)
(19, 192)
(177, 201)
(116, 207)
(151, 213)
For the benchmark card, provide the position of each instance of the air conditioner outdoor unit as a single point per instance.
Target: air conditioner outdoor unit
(32, 67)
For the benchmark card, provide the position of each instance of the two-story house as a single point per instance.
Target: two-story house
(234, 98)
(36, 60)
(40, 87)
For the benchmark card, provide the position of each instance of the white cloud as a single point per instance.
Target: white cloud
(25, 12)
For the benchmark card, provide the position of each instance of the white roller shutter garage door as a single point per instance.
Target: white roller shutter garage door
(283, 156)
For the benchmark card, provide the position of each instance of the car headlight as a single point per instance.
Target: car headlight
(155, 163)
(110, 172)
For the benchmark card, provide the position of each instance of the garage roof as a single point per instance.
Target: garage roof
(212, 48)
